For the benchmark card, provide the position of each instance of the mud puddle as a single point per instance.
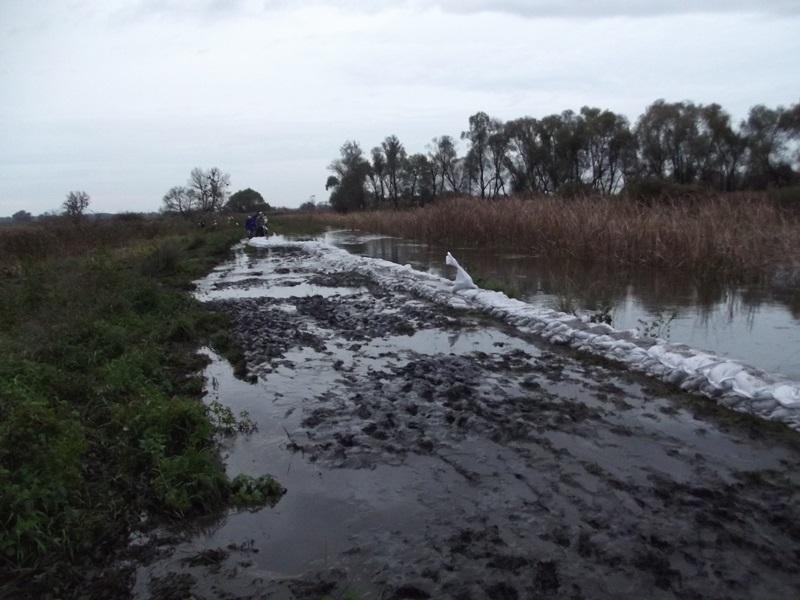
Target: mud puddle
(430, 454)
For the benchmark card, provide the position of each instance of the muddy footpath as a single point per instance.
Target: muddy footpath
(432, 453)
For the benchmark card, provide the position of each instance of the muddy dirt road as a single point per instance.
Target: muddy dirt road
(433, 453)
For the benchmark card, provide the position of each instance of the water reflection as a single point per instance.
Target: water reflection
(759, 324)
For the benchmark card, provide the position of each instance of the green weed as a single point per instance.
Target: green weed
(252, 492)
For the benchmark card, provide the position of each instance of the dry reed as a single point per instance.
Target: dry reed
(735, 235)
(59, 237)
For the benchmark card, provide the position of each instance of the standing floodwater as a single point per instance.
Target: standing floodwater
(435, 453)
(757, 324)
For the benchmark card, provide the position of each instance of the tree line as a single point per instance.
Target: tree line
(591, 151)
(206, 191)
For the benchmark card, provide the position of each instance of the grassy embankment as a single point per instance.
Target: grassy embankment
(100, 417)
(734, 236)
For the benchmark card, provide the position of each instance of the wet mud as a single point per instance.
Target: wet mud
(436, 454)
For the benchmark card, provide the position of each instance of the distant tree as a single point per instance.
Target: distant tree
(395, 155)
(75, 205)
(524, 160)
(768, 132)
(377, 175)
(199, 189)
(417, 178)
(209, 188)
(218, 184)
(308, 206)
(246, 201)
(22, 216)
(592, 151)
(348, 182)
(444, 154)
(673, 141)
(724, 149)
(179, 200)
(557, 152)
(432, 175)
(480, 128)
(497, 154)
(791, 121)
(609, 149)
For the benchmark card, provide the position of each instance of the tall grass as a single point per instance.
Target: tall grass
(734, 235)
(60, 237)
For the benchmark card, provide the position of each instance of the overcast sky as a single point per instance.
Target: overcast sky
(122, 99)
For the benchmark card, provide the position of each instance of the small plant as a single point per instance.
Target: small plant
(659, 326)
(254, 492)
(226, 423)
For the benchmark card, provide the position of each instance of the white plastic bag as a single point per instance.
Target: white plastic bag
(463, 280)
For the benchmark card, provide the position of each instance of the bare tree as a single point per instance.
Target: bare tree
(178, 200)
(218, 184)
(209, 188)
(199, 188)
(75, 204)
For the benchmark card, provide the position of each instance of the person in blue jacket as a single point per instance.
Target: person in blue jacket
(250, 226)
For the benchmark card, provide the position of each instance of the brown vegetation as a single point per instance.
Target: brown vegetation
(60, 237)
(733, 235)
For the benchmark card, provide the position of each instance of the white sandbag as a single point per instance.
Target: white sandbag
(463, 280)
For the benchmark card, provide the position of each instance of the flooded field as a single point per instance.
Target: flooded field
(435, 453)
(758, 324)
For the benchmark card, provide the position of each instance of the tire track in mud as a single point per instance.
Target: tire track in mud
(437, 454)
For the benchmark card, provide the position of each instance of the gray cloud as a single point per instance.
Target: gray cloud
(617, 8)
(585, 9)
(123, 98)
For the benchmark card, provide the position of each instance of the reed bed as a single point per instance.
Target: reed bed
(59, 237)
(734, 235)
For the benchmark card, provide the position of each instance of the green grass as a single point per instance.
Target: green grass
(100, 417)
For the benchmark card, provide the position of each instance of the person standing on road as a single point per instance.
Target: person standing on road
(261, 225)
(250, 226)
